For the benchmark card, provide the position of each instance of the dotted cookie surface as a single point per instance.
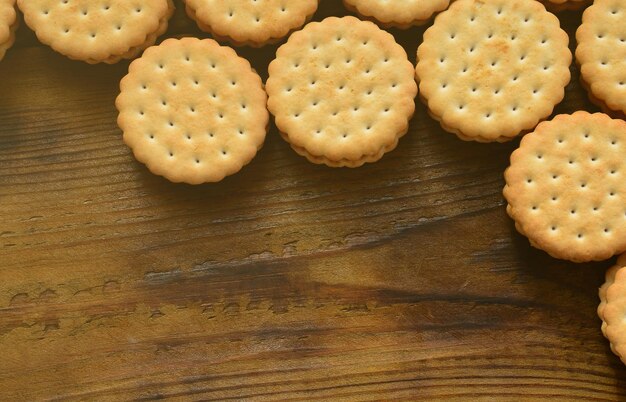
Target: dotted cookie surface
(192, 110)
(342, 91)
(612, 308)
(97, 30)
(566, 187)
(402, 14)
(492, 69)
(601, 53)
(250, 22)
(8, 25)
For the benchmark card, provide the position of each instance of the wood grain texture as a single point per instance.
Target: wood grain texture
(402, 279)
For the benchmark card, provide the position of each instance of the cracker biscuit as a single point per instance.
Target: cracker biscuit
(342, 92)
(399, 14)
(8, 25)
(192, 110)
(612, 308)
(601, 54)
(563, 5)
(250, 23)
(566, 188)
(490, 70)
(97, 31)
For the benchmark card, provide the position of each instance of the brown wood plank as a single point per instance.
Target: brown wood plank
(402, 279)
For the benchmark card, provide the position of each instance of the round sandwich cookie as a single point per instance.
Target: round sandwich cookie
(192, 110)
(490, 70)
(8, 25)
(250, 23)
(342, 92)
(566, 187)
(612, 308)
(563, 5)
(398, 14)
(97, 31)
(601, 54)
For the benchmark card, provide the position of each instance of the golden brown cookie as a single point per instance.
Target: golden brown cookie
(491, 69)
(566, 187)
(192, 110)
(97, 31)
(250, 23)
(601, 54)
(342, 92)
(399, 14)
(8, 25)
(612, 308)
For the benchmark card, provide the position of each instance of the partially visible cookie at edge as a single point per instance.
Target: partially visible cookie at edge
(601, 54)
(8, 25)
(342, 92)
(565, 187)
(250, 23)
(401, 15)
(101, 31)
(192, 111)
(612, 307)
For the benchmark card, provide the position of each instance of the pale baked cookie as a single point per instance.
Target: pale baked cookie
(601, 53)
(562, 5)
(566, 187)
(97, 31)
(250, 22)
(612, 308)
(492, 69)
(400, 14)
(8, 25)
(192, 110)
(342, 92)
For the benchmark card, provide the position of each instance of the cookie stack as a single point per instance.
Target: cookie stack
(489, 71)
(342, 92)
(8, 25)
(565, 187)
(97, 31)
(192, 110)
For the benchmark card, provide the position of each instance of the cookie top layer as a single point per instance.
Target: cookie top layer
(252, 21)
(612, 308)
(601, 52)
(401, 13)
(8, 17)
(566, 186)
(342, 89)
(493, 68)
(94, 29)
(192, 110)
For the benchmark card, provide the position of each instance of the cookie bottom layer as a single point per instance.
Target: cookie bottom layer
(322, 160)
(388, 25)
(460, 134)
(616, 114)
(191, 13)
(7, 45)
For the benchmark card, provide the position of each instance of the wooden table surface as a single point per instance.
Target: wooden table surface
(403, 279)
